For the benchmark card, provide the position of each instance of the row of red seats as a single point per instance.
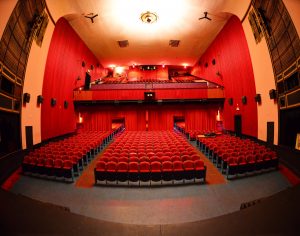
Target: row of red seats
(145, 171)
(65, 157)
(150, 159)
(237, 156)
(57, 168)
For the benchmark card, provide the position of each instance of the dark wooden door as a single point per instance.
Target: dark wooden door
(29, 137)
(238, 125)
(270, 133)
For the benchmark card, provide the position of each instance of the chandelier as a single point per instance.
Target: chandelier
(149, 17)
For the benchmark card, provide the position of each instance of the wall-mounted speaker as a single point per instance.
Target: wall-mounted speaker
(26, 98)
(257, 98)
(244, 99)
(272, 94)
(66, 104)
(230, 101)
(53, 102)
(40, 99)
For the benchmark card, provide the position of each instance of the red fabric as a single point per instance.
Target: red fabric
(158, 117)
(63, 66)
(100, 117)
(233, 62)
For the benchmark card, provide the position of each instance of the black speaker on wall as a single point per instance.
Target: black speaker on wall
(272, 94)
(244, 100)
(40, 99)
(66, 104)
(230, 101)
(257, 98)
(53, 102)
(26, 98)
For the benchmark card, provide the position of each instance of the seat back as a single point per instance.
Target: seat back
(167, 165)
(122, 166)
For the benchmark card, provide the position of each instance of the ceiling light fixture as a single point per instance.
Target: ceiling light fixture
(149, 17)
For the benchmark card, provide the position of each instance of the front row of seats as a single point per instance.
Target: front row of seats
(150, 171)
(58, 168)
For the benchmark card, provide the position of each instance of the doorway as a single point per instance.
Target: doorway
(238, 125)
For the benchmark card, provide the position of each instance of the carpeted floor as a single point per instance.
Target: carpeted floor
(87, 179)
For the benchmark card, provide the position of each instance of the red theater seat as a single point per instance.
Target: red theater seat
(133, 171)
(155, 171)
(122, 171)
(144, 171)
(100, 171)
(68, 170)
(167, 170)
(189, 170)
(200, 170)
(178, 170)
(111, 168)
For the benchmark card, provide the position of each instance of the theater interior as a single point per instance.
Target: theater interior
(149, 117)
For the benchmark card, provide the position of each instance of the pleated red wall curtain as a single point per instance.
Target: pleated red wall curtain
(232, 60)
(100, 117)
(160, 117)
(63, 66)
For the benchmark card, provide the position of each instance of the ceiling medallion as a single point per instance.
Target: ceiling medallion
(149, 17)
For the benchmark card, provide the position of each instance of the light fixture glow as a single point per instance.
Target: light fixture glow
(119, 70)
(80, 118)
(149, 17)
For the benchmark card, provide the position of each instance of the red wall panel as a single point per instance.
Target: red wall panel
(233, 62)
(63, 66)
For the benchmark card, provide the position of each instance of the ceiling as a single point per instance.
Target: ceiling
(148, 43)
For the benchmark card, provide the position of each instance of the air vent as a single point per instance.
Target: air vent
(174, 43)
(123, 43)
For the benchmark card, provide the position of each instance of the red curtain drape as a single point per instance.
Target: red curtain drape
(231, 53)
(160, 117)
(63, 67)
(100, 117)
